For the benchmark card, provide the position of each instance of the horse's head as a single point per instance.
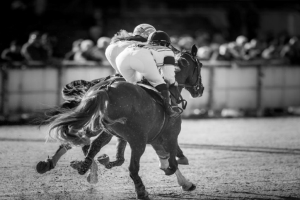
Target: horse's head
(188, 72)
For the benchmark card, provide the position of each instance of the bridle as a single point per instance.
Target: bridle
(197, 69)
(197, 86)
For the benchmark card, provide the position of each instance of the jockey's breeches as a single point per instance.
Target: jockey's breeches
(111, 53)
(135, 64)
(168, 72)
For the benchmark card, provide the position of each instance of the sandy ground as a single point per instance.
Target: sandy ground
(229, 159)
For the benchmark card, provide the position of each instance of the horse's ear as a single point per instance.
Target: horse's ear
(194, 50)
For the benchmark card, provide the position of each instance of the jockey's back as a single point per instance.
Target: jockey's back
(160, 55)
(114, 49)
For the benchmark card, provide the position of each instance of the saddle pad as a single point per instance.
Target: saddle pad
(156, 96)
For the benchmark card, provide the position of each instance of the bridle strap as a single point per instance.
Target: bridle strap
(198, 66)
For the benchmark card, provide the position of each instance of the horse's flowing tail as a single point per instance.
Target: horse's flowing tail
(48, 115)
(87, 114)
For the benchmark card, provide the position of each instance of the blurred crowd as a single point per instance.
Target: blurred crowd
(40, 48)
(212, 47)
(283, 49)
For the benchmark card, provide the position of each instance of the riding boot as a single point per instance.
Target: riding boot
(169, 110)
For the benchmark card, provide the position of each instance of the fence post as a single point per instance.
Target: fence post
(259, 109)
(60, 71)
(4, 104)
(211, 77)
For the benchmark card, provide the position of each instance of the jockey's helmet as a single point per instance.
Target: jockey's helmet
(160, 38)
(143, 30)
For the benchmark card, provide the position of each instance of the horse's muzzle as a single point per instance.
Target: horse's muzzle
(198, 93)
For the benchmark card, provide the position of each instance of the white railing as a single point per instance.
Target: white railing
(245, 85)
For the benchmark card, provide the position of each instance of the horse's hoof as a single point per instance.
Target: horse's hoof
(79, 166)
(44, 166)
(169, 171)
(191, 188)
(76, 164)
(182, 161)
(144, 196)
(109, 165)
(103, 159)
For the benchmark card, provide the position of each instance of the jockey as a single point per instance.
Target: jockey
(123, 39)
(142, 60)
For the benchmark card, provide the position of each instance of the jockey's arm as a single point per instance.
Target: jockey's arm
(168, 70)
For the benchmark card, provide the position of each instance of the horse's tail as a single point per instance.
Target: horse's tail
(69, 123)
(48, 115)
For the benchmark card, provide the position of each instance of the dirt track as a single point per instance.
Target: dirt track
(229, 159)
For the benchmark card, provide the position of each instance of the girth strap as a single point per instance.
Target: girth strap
(160, 129)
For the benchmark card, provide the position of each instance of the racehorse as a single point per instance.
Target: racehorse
(72, 94)
(127, 111)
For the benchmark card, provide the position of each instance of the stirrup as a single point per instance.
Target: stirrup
(177, 107)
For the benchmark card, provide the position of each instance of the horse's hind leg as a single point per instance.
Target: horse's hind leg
(120, 146)
(134, 167)
(95, 146)
(45, 166)
(180, 157)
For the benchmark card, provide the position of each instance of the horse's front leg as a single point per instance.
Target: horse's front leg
(134, 167)
(162, 155)
(183, 182)
(171, 146)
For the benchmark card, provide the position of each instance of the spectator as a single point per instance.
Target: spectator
(75, 49)
(102, 44)
(204, 52)
(186, 42)
(224, 53)
(292, 50)
(85, 53)
(13, 53)
(237, 49)
(33, 50)
(174, 41)
(48, 42)
(253, 50)
(271, 51)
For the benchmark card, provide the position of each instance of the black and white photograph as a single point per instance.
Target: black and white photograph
(150, 99)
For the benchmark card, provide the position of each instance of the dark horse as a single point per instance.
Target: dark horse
(127, 111)
(72, 93)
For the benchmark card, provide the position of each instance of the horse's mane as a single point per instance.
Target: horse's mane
(178, 57)
(119, 36)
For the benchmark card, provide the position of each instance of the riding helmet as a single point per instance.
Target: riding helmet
(143, 30)
(159, 37)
